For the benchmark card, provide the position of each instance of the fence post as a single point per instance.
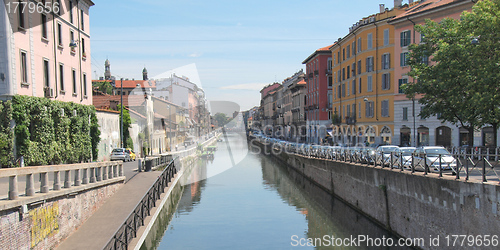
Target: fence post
(484, 170)
(30, 191)
(67, 179)
(13, 193)
(57, 180)
(44, 187)
(440, 167)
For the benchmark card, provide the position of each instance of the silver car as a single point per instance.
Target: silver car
(120, 154)
(435, 157)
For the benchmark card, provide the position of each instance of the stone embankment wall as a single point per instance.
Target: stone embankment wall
(410, 205)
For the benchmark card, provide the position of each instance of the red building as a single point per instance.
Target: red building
(319, 94)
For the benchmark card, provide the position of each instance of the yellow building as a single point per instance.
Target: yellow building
(363, 75)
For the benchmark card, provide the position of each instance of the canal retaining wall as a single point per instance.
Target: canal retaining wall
(40, 220)
(412, 205)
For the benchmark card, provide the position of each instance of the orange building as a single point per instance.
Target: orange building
(363, 73)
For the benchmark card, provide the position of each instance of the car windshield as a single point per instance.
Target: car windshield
(437, 151)
(388, 149)
(117, 150)
(407, 151)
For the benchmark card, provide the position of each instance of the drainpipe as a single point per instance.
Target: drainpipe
(376, 70)
(413, 99)
(55, 53)
(80, 51)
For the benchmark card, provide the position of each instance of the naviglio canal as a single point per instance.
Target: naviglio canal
(256, 204)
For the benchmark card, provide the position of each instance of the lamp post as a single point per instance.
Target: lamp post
(121, 112)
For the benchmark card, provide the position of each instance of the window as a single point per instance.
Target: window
(403, 59)
(369, 41)
(22, 22)
(405, 37)
(425, 60)
(338, 56)
(353, 68)
(359, 67)
(386, 37)
(385, 108)
(348, 89)
(343, 74)
(339, 92)
(44, 26)
(329, 65)
(359, 86)
(359, 44)
(61, 76)
(343, 90)
(348, 51)
(46, 73)
(82, 19)
(369, 64)
(343, 54)
(73, 75)
(338, 76)
(71, 11)
(401, 82)
(83, 45)
(354, 110)
(348, 72)
(334, 77)
(24, 67)
(353, 87)
(72, 36)
(386, 81)
(369, 84)
(330, 83)
(348, 113)
(59, 34)
(421, 113)
(386, 61)
(85, 85)
(334, 58)
(369, 109)
(353, 46)
(405, 114)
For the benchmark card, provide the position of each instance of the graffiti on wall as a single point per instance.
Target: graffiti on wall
(45, 222)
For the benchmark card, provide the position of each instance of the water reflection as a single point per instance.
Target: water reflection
(258, 204)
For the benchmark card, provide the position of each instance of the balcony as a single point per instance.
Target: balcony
(316, 72)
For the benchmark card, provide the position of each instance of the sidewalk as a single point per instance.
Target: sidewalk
(100, 227)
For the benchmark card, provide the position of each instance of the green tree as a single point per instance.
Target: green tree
(221, 119)
(127, 121)
(104, 86)
(461, 82)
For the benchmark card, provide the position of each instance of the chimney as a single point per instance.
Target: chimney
(398, 3)
(382, 7)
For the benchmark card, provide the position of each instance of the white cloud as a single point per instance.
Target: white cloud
(247, 86)
(195, 54)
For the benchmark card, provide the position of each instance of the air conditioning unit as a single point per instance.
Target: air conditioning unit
(49, 92)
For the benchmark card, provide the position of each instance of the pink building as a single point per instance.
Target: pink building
(319, 93)
(46, 53)
(409, 128)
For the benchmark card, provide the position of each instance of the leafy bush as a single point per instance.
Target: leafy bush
(48, 132)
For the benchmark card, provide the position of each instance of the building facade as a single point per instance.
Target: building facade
(319, 92)
(409, 128)
(363, 69)
(46, 54)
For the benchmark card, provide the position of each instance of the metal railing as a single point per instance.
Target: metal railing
(483, 167)
(128, 230)
(83, 173)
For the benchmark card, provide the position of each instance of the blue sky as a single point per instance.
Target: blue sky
(235, 46)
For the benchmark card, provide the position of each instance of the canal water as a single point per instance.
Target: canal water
(243, 200)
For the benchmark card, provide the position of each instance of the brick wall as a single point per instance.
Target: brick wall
(45, 225)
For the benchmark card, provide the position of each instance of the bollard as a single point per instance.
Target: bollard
(139, 165)
(149, 166)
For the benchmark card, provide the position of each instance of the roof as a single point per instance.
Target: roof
(107, 110)
(130, 84)
(165, 101)
(302, 82)
(424, 6)
(323, 50)
(128, 100)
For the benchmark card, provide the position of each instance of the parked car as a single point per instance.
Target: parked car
(404, 155)
(435, 157)
(120, 154)
(131, 153)
(383, 154)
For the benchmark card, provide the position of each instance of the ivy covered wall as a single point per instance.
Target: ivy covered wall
(47, 132)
